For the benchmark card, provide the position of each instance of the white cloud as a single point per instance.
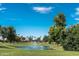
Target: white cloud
(77, 13)
(43, 9)
(2, 8)
(77, 9)
(76, 18)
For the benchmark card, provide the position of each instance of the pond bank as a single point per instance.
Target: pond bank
(20, 52)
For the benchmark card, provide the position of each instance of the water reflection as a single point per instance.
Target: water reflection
(34, 46)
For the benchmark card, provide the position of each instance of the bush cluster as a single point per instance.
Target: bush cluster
(68, 37)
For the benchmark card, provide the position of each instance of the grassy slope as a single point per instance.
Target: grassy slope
(18, 52)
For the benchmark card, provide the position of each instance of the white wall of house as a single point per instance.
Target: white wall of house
(2, 38)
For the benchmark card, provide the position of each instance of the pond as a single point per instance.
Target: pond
(34, 46)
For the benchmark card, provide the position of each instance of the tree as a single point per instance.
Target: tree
(45, 38)
(54, 34)
(56, 31)
(71, 42)
(60, 20)
(23, 38)
(38, 39)
(11, 34)
(30, 38)
(18, 39)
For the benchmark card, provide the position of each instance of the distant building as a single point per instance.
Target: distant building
(2, 38)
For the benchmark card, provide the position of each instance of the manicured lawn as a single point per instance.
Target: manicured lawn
(12, 51)
(15, 52)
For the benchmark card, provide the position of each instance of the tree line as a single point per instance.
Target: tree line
(9, 33)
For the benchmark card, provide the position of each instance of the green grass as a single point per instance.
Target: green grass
(10, 50)
(15, 52)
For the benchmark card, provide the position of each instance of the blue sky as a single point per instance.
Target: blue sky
(36, 19)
